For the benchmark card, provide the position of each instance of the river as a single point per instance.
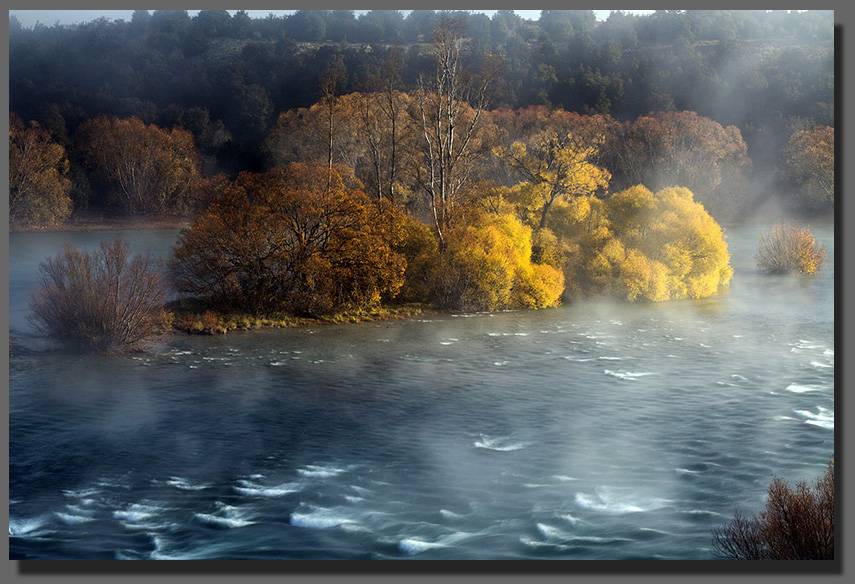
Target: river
(590, 431)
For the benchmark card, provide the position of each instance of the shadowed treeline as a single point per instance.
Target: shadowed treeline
(226, 79)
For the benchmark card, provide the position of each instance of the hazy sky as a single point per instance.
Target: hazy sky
(50, 17)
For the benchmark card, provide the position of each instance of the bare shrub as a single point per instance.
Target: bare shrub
(103, 301)
(797, 524)
(790, 250)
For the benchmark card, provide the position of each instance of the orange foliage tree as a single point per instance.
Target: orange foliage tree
(38, 186)
(810, 158)
(664, 149)
(285, 241)
(146, 169)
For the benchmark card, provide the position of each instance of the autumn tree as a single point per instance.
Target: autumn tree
(302, 135)
(640, 245)
(787, 249)
(297, 136)
(449, 109)
(527, 122)
(106, 301)
(330, 87)
(38, 185)
(810, 159)
(487, 264)
(555, 166)
(145, 168)
(796, 524)
(385, 128)
(284, 241)
(664, 149)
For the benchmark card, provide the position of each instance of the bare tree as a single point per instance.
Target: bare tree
(449, 108)
(381, 114)
(330, 83)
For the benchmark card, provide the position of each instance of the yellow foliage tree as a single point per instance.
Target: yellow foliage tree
(553, 166)
(487, 265)
(643, 246)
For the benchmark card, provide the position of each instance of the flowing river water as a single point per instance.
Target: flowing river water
(591, 431)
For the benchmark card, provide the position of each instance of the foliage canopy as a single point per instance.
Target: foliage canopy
(810, 158)
(146, 169)
(38, 185)
(641, 245)
(302, 238)
(487, 264)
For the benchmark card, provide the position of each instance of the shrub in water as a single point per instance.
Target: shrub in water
(103, 301)
(642, 246)
(790, 250)
(797, 524)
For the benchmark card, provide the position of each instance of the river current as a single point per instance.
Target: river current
(591, 431)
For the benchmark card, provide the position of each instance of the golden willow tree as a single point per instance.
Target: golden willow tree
(38, 186)
(640, 245)
(554, 166)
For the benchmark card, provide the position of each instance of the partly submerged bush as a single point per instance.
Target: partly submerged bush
(788, 249)
(797, 524)
(103, 301)
(641, 245)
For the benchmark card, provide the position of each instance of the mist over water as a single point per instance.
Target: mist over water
(591, 431)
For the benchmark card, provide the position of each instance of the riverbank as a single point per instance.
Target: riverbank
(90, 221)
(192, 317)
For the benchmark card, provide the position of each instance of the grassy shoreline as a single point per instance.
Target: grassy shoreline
(102, 222)
(195, 318)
